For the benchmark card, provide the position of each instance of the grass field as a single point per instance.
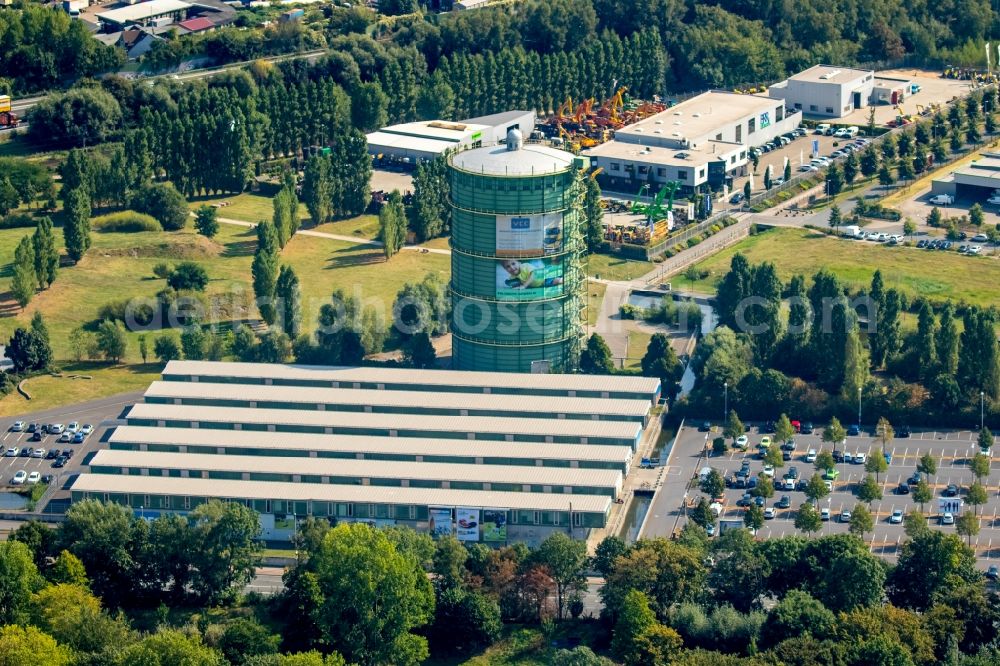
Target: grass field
(609, 267)
(637, 344)
(247, 206)
(49, 391)
(121, 266)
(324, 265)
(915, 272)
(362, 227)
(595, 297)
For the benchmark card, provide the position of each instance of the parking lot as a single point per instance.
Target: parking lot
(101, 414)
(934, 89)
(951, 449)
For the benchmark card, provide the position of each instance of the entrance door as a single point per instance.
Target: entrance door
(857, 100)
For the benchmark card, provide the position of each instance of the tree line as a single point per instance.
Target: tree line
(817, 361)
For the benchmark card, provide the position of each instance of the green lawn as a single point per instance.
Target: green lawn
(121, 266)
(324, 265)
(637, 344)
(362, 226)
(595, 298)
(915, 272)
(104, 379)
(609, 267)
(247, 206)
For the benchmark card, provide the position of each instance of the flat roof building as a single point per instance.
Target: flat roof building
(424, 140)
(394, 402)
(491, 457)
(496, 428)
(513, 478)
(701, 142)
(974, 181)
(361, 447)
(500, 516)
(827, 91)
(143, 13)
(381, 378)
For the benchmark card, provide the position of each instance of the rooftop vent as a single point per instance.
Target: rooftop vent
(514, 139)
(696, 115)
(831, 74)
(681, 156)
(678, 113)
(457, 127)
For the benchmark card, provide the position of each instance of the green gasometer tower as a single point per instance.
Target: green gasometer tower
(517, 284)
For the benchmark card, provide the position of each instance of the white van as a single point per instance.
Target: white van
(823, 128)
(851, 231)
(852, 131)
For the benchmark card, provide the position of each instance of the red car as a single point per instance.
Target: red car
(797, 425)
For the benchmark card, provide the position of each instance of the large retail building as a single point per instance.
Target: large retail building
(486, 456)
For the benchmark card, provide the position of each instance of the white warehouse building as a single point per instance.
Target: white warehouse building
(410, 143)
(827, 91)
(702, 141)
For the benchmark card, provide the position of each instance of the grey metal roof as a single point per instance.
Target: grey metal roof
(321, 492)
(527, 383)
(380, 469)
(497, 119)
(496, 425)
(311, 395)
(365, 444)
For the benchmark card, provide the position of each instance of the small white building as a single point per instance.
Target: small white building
(410, 143)
(827, 91)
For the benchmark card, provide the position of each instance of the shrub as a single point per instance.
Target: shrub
(126, 222)
(165, 203)
(162, 270)
(716, 228)
(188, 275)
(17, 221)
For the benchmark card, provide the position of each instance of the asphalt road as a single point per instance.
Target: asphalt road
(953, 449)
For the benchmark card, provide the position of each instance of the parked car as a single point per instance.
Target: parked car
(86, 428)
(56, 428)
(73, 426)
(736, 198)
(768, 471)
(46, 478)
(838, 456)
(845, 516)
(26, 452)
(12, 452)
(854, 430)
(903, 432)
(980, 238)
(811, 456)
(897, 517)
(705, 426)
(34, 477)
(52, 454)
(950, 491)
(38, 453)
(741, 442)
(831, 474)
(975, 249)
(903, 489)
(68, 453)
(993, 573)
(914, 479)
(860, 458)
(710, 529)
(787, 484)
(59, 462)
(793, 472)
(922, 243)
(19, 478)
(807, 428)
(765, 442)
(746, 500)
(769, 426)
(18, 426)
(824, 513)
(784, 503)
(942, 200)
(36, 436)
(947, 519)
(769, 513)
(33, 427)
(994, 200)
(79, 438)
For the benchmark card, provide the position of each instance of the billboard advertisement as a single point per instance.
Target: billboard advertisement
(494, 525)
(439, 521)
(467, 524)
(529, 279)
(529, 235)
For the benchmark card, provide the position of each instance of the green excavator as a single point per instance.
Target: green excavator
(655, 210)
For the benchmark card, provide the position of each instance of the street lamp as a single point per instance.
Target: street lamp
(859, 409)
(725, 408)
(982, 406)
(684, 506)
